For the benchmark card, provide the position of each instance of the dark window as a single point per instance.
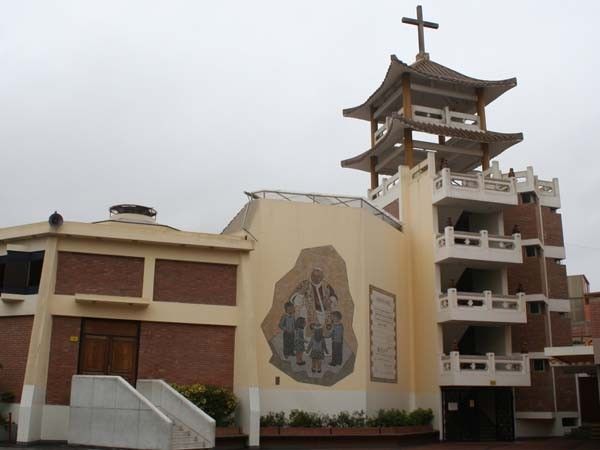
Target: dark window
(527, 197)
(535, 308)
(531, 250)
(20, 272)
(539, 365)
(569, 421)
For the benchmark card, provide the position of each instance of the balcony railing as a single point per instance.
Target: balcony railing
(473, 186)
(481, 307)
(486, 370)
(439, 116)
(547, 190)
(478, 246)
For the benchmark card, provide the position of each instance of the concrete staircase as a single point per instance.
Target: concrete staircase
(184, 438)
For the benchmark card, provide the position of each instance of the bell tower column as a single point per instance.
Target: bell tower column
(485, 149)
(407, 108)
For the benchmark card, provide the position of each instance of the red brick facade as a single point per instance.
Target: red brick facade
(594, 303)
(557, 280)
(532, 335)
(528, 275)
(561, 329)
(525, 216)
(187, 354)
(64, 355)
(15, 334)
(552, 223)
(393, 209)
(194, 282)
(566, 390)
(538, 397)
(85, 273)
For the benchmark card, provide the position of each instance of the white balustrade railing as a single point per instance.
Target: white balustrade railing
(485, 301)
(444, 116)
(488, 366)
(386, 187)
(483, 240)
(547, 190)
(474, 182)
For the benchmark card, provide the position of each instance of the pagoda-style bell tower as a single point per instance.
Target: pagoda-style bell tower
(429, 98)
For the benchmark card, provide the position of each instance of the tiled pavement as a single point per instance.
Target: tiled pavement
(532, 444)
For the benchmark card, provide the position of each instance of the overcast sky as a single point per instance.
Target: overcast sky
(183, 105)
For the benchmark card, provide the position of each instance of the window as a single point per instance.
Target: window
(535, 308)
(20, 272)
(531, 250)
(539, 365)
(527, 197)
(569, 421)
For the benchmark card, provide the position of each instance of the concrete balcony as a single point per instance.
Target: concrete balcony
(481, 307)
(547, 191)
(473, 191)
(487, 370)
(463, 246)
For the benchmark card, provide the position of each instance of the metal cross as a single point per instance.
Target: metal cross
(421, 24)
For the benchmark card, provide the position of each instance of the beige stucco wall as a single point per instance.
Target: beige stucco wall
(374, 253)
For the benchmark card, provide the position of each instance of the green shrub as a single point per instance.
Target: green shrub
(420, 416)
(344, 419)
(389, 418)
(7, 397)
(273, 419)
(219, 403)
(300, 418)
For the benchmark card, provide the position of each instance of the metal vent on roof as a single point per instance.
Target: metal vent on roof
(132, 213)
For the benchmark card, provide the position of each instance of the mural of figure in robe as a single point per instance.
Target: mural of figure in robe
(310, 320)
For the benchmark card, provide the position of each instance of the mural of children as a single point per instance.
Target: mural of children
(337, 338)
(299, 340)
(287, 325)
(317, 349)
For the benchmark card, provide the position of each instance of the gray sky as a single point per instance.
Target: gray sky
(183, 105)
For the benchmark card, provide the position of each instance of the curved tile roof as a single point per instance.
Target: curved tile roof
(427, 70)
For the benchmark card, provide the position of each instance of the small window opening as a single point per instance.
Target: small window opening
(531, 251)
(535, 308)
(539, 365)
(527, 197)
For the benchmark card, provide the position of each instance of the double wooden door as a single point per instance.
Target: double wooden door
(109, 347)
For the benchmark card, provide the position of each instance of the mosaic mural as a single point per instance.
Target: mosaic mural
(309, 326)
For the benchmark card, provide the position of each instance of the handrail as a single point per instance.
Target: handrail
(177, 406)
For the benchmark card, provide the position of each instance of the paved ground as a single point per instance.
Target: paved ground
(534, 444)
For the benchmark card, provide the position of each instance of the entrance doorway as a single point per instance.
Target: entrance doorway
(109, 347)
(478, 414)
(589, 399)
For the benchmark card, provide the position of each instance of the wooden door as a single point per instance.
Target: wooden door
(589, 399)
(94, 355)
(109, 348)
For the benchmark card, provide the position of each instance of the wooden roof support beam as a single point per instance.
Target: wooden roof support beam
(448, 149)
(409, 158)
(373, 159)
(485, 148)
(385, 105)
(444, 92)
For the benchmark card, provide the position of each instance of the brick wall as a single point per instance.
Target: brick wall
(531, 335)
(553, 231)
(186, 354)
(539, 396)
(193, 282)
(557, 280)
(561, 329)
(566, 390)
(528, 274)
(595, 317)
(15, 334)
(86, 273)
(393, 209)
(64, 356)
(525, 216)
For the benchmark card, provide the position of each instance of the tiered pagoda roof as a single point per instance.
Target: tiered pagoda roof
(430, 73)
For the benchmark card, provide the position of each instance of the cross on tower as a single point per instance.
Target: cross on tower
(421, 24)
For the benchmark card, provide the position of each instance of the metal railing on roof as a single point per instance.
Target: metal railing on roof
(330, 200)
